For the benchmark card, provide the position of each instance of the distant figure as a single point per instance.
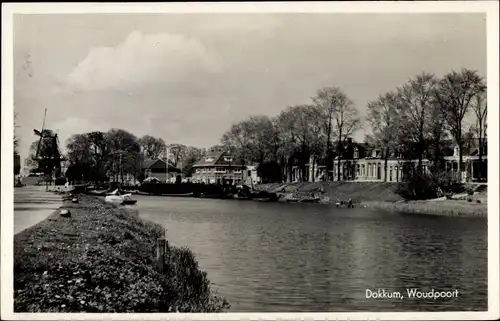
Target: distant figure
(349, 203)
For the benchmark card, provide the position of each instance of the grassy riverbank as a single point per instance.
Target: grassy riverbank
(383, 196)
(333, 191)
(102, 259)
(442, 208)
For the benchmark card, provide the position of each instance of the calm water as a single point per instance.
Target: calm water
(32, 204)
(277, 257)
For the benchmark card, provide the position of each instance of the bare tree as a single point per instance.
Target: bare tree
(152, 147)
(480, 108)
(122, 145)
(417, 102)
(437, 133)
(383, 118)
(286, 122)
(347, 122)
(455, 93)
(177, 153)
(327, 99)
(314, 117)
(340, 119)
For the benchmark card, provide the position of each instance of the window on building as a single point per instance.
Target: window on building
(390, 174)
(249, 173)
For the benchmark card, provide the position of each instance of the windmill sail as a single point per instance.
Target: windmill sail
(40, 133)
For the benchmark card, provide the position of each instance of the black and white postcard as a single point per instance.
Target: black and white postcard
(322, 160)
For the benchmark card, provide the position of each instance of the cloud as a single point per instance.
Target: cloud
(143, 61)
(186, 78)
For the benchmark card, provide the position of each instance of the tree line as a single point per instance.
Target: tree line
(98, 156)
(415, 120)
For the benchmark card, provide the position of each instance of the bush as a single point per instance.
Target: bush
(420, 186)
(190, 285)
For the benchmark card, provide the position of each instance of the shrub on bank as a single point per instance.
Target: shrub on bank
(418, 186)
(425, 185)
(102, 259)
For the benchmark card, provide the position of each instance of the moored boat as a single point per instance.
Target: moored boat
(263, 196)
(117, 198)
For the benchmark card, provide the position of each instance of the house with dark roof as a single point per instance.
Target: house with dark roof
(221, 166)
(158, 168)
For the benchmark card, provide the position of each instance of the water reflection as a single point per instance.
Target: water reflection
(288, 257)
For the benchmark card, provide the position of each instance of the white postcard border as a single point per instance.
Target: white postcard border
(489, 7)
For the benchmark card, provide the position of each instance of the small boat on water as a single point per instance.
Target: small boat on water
(241, 197)
(263, 196)
(117, 198)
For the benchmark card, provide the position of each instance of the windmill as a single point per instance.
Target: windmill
(49, 156)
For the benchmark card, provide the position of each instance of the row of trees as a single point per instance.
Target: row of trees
(98, 156)
(296, 134)
(415, 120)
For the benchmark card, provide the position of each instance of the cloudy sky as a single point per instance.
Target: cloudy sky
(187, 78)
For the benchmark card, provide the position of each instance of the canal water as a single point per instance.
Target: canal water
(274, 257)
(33, 204)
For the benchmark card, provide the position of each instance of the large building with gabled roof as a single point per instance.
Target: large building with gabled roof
(221, 166)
